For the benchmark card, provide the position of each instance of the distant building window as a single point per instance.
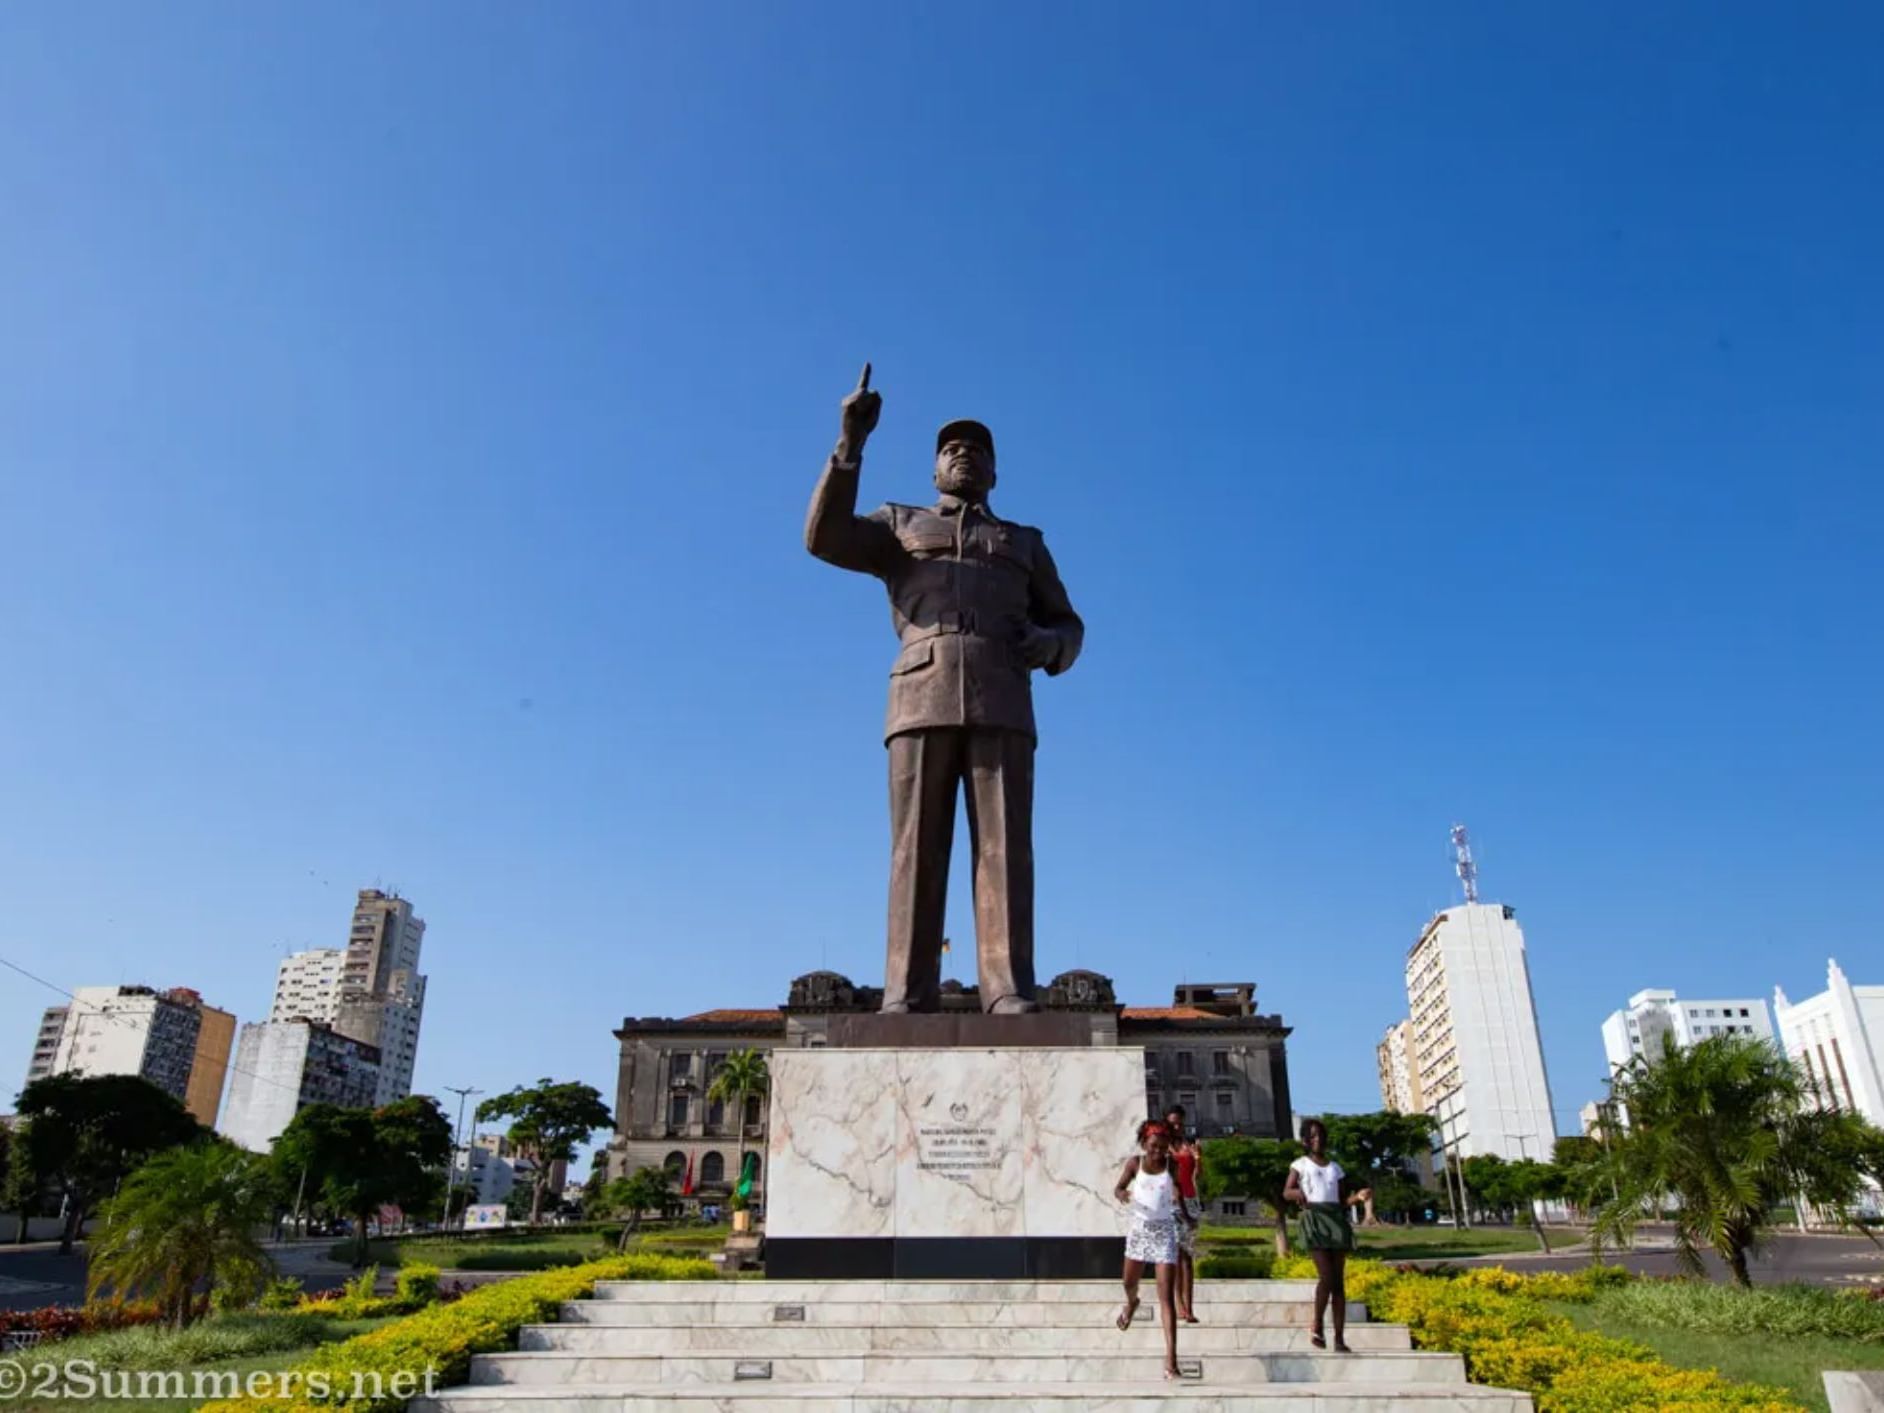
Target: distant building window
(1220, 1062)
(713, 1168)
(680, 1066)
(677, 1110)
(1743, 1010)
(675, 1163)
(716, 1114)
(1224, 1101)
(1233, 1209)
(1187, 1063)
(752, 1110)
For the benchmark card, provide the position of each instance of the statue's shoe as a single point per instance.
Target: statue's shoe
(1013, 1006)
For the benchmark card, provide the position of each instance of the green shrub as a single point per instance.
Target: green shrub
(442, 1338)
(283, 1293)
(416, 1286)
(523, 1258)
(1773, 1311)
(1497, 1321)
(1238, 1266)
(218, 1337)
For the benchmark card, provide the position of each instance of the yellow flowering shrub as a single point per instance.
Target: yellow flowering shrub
(367, 1373)
(1497, 1320)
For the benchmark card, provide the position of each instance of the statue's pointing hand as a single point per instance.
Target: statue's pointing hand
(860, 412)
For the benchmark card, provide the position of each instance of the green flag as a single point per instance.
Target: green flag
(747, 1172)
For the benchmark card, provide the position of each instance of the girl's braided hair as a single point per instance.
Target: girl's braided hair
(1150, 1126)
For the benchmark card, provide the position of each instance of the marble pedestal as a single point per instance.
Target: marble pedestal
(956, 1163)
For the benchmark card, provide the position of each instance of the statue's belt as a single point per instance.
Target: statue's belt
(967, 624)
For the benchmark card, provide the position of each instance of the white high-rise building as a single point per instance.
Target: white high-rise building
(382, 994)
(1837, 1040)
(283, 1066)
(1637, 1033)
(1477, 1055)
(307, 986)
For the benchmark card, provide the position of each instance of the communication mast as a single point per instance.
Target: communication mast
(1468, 871)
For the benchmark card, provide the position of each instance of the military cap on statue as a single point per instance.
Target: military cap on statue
(965, 429)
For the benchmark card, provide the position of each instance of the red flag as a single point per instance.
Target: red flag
(686, 1183)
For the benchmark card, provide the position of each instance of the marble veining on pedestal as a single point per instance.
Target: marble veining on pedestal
(950, 1142)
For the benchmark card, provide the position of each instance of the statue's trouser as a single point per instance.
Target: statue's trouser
(998, 769)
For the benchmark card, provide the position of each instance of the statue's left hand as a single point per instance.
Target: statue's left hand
(1040, 647)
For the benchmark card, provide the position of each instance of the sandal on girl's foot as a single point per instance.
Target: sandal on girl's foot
(1341, 1347)
(1314, 1338)
(1170, 1374)
(1124, 1321)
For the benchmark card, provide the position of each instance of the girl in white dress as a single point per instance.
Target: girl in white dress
(1148, 1187)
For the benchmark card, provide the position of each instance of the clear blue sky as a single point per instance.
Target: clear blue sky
(407, 415)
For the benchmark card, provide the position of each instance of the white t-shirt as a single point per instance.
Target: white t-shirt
(1319, 1183)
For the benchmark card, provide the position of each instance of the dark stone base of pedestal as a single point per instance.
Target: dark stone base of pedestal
(1059, 1258)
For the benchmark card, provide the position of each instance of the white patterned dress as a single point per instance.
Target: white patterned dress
(1151, 1235)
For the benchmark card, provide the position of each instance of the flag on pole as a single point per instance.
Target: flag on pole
(748, 1170)
(686, 1183)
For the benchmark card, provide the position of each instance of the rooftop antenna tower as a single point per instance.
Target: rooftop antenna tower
(1468, 871)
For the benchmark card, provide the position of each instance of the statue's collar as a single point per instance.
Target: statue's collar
(956, 505)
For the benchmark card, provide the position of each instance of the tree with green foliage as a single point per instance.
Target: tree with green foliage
(188, 1218)
(1725, 1132)
(87, 1133)
(360, 1160)
(644, 1190)
(742, 1073)
(1253, 1168)
(1380, 1152)
(19, 1184)
(548, 1121)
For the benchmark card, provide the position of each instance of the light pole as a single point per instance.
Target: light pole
(457, 1138)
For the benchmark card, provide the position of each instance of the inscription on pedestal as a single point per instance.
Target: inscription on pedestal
(956, 1150)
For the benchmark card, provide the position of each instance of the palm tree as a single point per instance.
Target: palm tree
(1725, 1132)
(188, 1217)
(742, 1073)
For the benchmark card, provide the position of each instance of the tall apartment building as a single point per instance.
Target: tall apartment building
(371, 990)
(382, 994)
(46, 1043)
(1400, 1088)
(307, 986)
(1654, 1018)
(1837, 1039)
(169, 1037)
(1475, 1048)
(283, 1066)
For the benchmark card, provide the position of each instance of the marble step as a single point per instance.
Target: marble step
(1098, 1337)
(764, 1292)
(568, 1371)
(651, 1310)
(1138, 1396)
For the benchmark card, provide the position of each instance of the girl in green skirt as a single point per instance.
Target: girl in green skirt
(1314, 1183)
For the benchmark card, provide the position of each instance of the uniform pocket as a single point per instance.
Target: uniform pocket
(915, 656)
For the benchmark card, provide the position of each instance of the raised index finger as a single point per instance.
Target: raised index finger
(863, 381)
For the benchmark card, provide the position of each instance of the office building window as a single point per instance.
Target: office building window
(677, 1110)
(1187, 1063)
(1220, 1062)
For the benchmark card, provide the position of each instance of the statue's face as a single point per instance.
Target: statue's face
(964, 469)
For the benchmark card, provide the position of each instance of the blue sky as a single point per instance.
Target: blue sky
(407, 416)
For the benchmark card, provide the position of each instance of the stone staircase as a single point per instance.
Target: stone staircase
(953, 1346)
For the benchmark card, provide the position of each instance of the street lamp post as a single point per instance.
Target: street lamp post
(457, 1139)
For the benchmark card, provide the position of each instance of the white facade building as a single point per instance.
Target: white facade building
(1399, 1074)
(1837, 1040)
(283, 1066)
(1637, 1033)
(1478, 1058)
(307, 986)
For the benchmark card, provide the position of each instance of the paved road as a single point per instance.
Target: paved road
(37, 1274)
(1816, 1260)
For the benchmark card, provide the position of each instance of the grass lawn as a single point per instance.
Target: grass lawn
(1793, 1363)
(237, 1344)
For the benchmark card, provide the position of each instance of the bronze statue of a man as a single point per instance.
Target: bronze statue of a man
(978, 606)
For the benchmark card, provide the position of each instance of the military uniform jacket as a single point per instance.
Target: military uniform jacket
(963, 587)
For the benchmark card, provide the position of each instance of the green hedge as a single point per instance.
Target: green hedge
(442, 1338)
(1236, 1265)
